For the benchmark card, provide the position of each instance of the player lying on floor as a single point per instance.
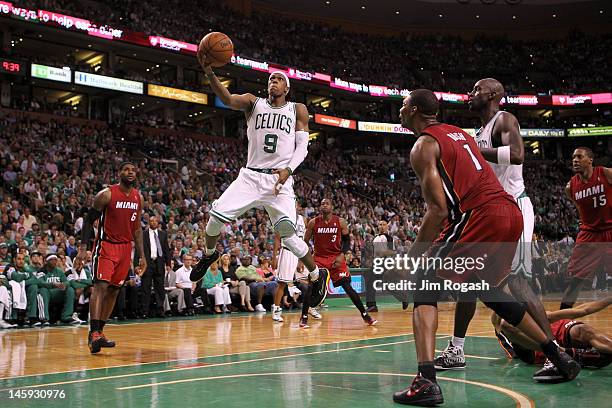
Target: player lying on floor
(587, 345)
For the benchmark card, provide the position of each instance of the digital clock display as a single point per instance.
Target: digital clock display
(11, 67)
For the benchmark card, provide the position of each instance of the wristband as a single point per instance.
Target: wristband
(503, 155)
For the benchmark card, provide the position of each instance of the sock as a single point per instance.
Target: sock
(428, 370)
(565, 305)
(102, 324)
(209, 251)
(94, 325)
(458, 341)
(549, 348)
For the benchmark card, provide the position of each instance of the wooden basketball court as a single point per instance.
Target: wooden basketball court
(247, 360)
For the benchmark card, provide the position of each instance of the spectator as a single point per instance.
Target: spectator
(235, 285)
(184, 283)
(258, 286)
(214, 285)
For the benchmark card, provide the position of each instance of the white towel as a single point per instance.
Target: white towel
(19, 294)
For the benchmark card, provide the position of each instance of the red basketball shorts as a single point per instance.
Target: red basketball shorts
(592, 249)
(335, 274)
(488, 235)
(111, 262)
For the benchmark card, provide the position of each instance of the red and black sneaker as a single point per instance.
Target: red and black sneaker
(104, 342)
(304, 322)
(97, 340)
(592, 358)
(422, 392)
(369, 320)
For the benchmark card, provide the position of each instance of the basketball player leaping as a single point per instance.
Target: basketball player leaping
(118, 209)
(277, 132)
(591, 190)
(501, 144)
(466, 205)
(331, 241)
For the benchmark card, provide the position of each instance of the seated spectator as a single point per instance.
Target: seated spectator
(214, 285)
(235, 285)
(174, 292)
(259, 287)
(183, 282)
(265, 270)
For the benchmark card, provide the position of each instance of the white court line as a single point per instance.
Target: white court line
(172, 370)
(203, 357)
(522, 401)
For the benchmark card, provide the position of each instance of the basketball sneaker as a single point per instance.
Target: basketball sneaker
(319, 288)
(422, 392)
(452, 358)
(370, 321)
(592, 358)
(97, 340)
(277, 312)
(314, 313)
(304, 322)
(199, 270)
(558, 369)
(505, 344)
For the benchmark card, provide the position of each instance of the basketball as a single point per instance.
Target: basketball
(217, 48)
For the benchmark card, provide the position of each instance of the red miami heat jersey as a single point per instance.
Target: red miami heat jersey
(120, 217)
(468, 181)
(594, 201)
(327, 236)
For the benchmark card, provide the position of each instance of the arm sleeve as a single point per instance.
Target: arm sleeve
(301, 149)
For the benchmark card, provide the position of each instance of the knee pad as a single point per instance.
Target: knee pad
(213, 227)
(284, 228)
(296, 245)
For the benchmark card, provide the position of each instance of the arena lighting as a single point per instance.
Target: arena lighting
(104, 31)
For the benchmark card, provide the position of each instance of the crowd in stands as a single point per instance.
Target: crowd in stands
(53, 166)
(579, 61)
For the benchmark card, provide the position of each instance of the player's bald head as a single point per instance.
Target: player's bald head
(493, 86)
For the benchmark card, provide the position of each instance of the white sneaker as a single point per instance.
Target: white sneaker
(260, 308)
(75, 316)
(314, 313)
(314, 275)
(277, 312)
(6, 325)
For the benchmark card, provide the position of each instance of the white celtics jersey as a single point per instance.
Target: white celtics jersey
(510, 176)
(271, 134)
(300, 227)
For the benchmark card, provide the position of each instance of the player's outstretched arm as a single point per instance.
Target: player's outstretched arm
(100, 202)
(242, 102)
(508, 134)
(584, 309)
(423, 159)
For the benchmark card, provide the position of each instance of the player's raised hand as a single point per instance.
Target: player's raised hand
(204, 62)
(283, 175)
